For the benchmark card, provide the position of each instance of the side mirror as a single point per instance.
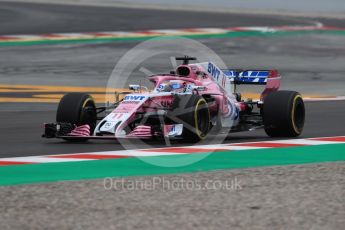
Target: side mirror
(134, 87)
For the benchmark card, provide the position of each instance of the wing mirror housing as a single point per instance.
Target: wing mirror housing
(134, 87)
(137, 87)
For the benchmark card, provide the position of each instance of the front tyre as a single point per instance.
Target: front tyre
(78, 109)
(283, 114)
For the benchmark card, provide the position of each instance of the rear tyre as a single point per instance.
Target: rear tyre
(78, 109)
(192, 111)
(283, 114)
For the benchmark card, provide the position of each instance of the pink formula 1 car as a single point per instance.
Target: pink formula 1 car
(188, 104)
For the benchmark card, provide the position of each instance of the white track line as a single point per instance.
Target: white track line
(41, 159)
(133, 153)
(224, 146)
(304, 142)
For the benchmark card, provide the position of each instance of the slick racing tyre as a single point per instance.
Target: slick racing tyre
(78, 109)
(283, 114)
(192, 111)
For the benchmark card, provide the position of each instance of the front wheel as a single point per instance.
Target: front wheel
(77, 109)
(283, 114)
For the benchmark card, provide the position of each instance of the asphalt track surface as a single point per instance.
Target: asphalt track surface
(24, 130)
(27, 18)
(306, 196)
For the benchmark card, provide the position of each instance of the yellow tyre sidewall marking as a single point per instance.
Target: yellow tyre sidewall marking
(293, 113)
(84, 104)
(200, 101)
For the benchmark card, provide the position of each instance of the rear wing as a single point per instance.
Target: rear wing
(269, 78)
(251, 77)
(226, 77)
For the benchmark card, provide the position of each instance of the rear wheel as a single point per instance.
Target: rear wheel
(192, 111)
(78, 109)
(283, 114)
